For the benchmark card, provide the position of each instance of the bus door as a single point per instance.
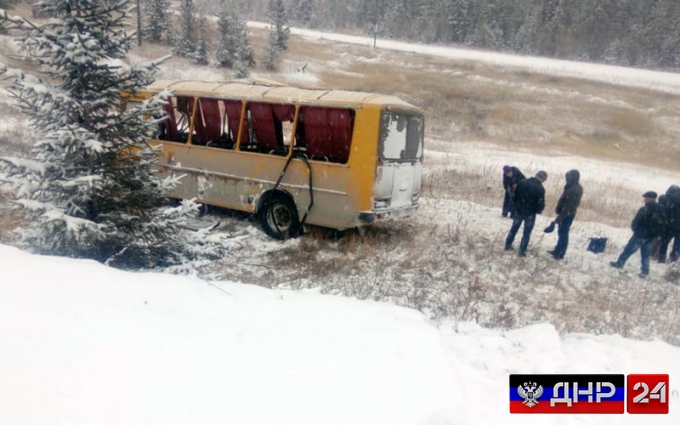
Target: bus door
(398, 179)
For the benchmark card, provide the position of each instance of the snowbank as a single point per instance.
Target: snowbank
(86, 344)
(482, 359)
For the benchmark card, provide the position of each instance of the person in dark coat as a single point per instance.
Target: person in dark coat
(566, 212)
(511, 176)
(529, 201)
(647, 226)
(673, 221)
(667, 234)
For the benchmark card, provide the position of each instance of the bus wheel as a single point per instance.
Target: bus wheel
(279, 217)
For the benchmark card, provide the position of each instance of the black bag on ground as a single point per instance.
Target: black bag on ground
(597, 245)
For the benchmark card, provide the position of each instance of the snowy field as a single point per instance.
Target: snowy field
(474, 156)
(83, 343)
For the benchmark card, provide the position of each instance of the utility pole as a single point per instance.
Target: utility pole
(375, 32)
(139, 23)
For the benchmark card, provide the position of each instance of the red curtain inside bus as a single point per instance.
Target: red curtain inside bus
(176, 125)
(263, 125)
(212, 120)
(284, 112)
(328, 133)
(267, 119)
(233, 110)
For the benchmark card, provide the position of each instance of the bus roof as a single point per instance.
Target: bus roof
(266, 90)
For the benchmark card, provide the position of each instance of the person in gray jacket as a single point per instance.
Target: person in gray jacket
(647, 226)
(566, 212)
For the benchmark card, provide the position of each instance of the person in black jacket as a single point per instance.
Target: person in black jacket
(667, 233)
(647, 225)
(529, 201)
(566, 212)
(673, 221)
(511, 176)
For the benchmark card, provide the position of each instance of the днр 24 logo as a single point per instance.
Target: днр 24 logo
(567, 394)
(643, 394)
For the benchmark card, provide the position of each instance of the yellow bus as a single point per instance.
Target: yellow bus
(331, 158)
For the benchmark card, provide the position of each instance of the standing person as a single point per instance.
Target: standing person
(529, 201)
(666, 234)
(566, 212)
(673, 210)
(511, 176)
(647, 225)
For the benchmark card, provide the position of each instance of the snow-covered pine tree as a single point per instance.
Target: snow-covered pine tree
(90, 189)
(488, 32)
(458, 18)
(234, 48)
(226, 47)
(279, 21)
(245, 7)
(185, 39)
(202, 47)
(431, 23)
(271, 52)
(244, 50)
(243, 59)
(303, 12)
(241, 69)
(156, 20)
(398, 19)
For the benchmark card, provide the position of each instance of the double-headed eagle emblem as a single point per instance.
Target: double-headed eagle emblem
(530, 392)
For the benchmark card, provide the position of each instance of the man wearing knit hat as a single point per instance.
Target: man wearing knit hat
(529, 201)
(647, 225)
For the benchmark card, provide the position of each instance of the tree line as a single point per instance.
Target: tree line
(641, 33)
(644, 33)
(210, 33)
(190, 32)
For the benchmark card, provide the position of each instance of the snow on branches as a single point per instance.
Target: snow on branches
(91, 188)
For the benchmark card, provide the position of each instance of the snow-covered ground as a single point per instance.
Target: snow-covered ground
(474, 156)
(86, 344)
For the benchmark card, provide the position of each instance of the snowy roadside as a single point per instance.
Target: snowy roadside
(92, 344)
(630, 77)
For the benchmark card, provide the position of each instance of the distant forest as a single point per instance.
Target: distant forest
(641, 33)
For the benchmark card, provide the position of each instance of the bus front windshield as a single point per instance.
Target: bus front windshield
(401, 137)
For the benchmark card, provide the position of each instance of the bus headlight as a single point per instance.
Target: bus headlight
(415, 197)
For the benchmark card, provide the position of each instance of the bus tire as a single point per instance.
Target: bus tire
(279, 217)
